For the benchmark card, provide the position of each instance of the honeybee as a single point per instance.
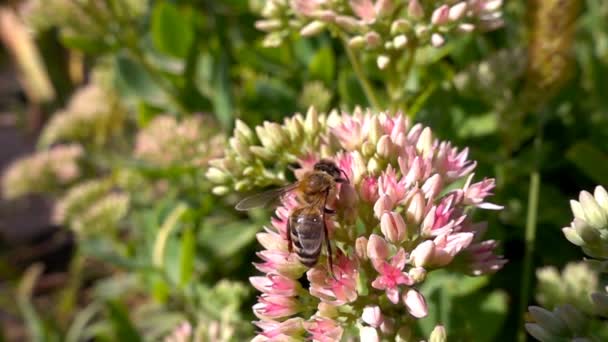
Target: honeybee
(306, 225)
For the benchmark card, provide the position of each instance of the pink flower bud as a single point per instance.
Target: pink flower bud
(312, 29)
(466, 27)
(383, 61)
(415, 10)
(383, 204)
(372, 315)
(377, 248)
(415, 209)
(432, 186)
(438, 334)
(393, 227)
(440, 16)
(368, 334)
(458, 11)
(384, 147)
(361, 247)
(418, 274)
(415, 303)
(373, 39)
(437, 40)
(423, 253)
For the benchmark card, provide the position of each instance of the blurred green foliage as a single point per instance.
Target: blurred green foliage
(183, 254)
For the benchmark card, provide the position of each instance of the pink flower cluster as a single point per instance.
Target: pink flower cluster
(395, 222)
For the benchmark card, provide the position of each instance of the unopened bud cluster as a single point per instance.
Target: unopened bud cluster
(165, 142)
(395, 222)
(583, 318)
(44, 171)
(572, 286)
(383, 27)
(589, 229)
(92, 116)
(91, 207)
(261, 157)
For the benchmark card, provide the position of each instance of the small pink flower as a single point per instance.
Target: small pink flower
(323, 329)
(275, 284)
(415, 303)
(272, 241)
(391, 275)
(474, 194)
(274, 306)
(448, 245)
(451, 163)
(339, 290)
(369, 189)
(388, 185)
(273, 329)
(480, 258)
(364, 9)
(306, 7)
(280, 261)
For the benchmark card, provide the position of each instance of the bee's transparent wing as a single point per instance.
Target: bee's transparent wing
(263, 198)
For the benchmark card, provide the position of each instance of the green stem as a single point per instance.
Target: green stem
(365, 84)
(530, 237)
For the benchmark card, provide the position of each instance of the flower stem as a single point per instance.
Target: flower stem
(365, 84)
(530, 237)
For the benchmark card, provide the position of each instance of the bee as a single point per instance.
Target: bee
(306, 225)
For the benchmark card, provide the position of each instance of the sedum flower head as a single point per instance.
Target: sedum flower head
(383, 27)
(102, 215)
(166, 142)
(589, 229)
(93, 115)
(44, 171)
(395, 222)
(572, 286)
(78, 198)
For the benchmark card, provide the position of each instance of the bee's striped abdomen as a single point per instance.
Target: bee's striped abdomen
(307, 236)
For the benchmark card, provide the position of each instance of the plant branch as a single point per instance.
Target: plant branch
(365, 84)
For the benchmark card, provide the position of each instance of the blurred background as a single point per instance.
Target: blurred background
(111, 110)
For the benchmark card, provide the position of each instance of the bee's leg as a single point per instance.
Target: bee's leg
(329, 254)
(327, 243)
(289, 242)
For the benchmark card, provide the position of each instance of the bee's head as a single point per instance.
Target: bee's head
(329, 167)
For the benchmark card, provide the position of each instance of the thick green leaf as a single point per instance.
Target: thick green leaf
(172, 29)
(323, 65)
(133, 80)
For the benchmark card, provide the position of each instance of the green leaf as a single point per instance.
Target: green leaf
(172, 29)
(122, 325)
(222, 98)
(590, 160)
(133, 80)
(187, 256)
(478, 125)
(229, 239)
(479, 317)
(323, 65)
(84, 43)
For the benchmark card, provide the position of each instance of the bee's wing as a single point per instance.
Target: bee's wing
(263, 198)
